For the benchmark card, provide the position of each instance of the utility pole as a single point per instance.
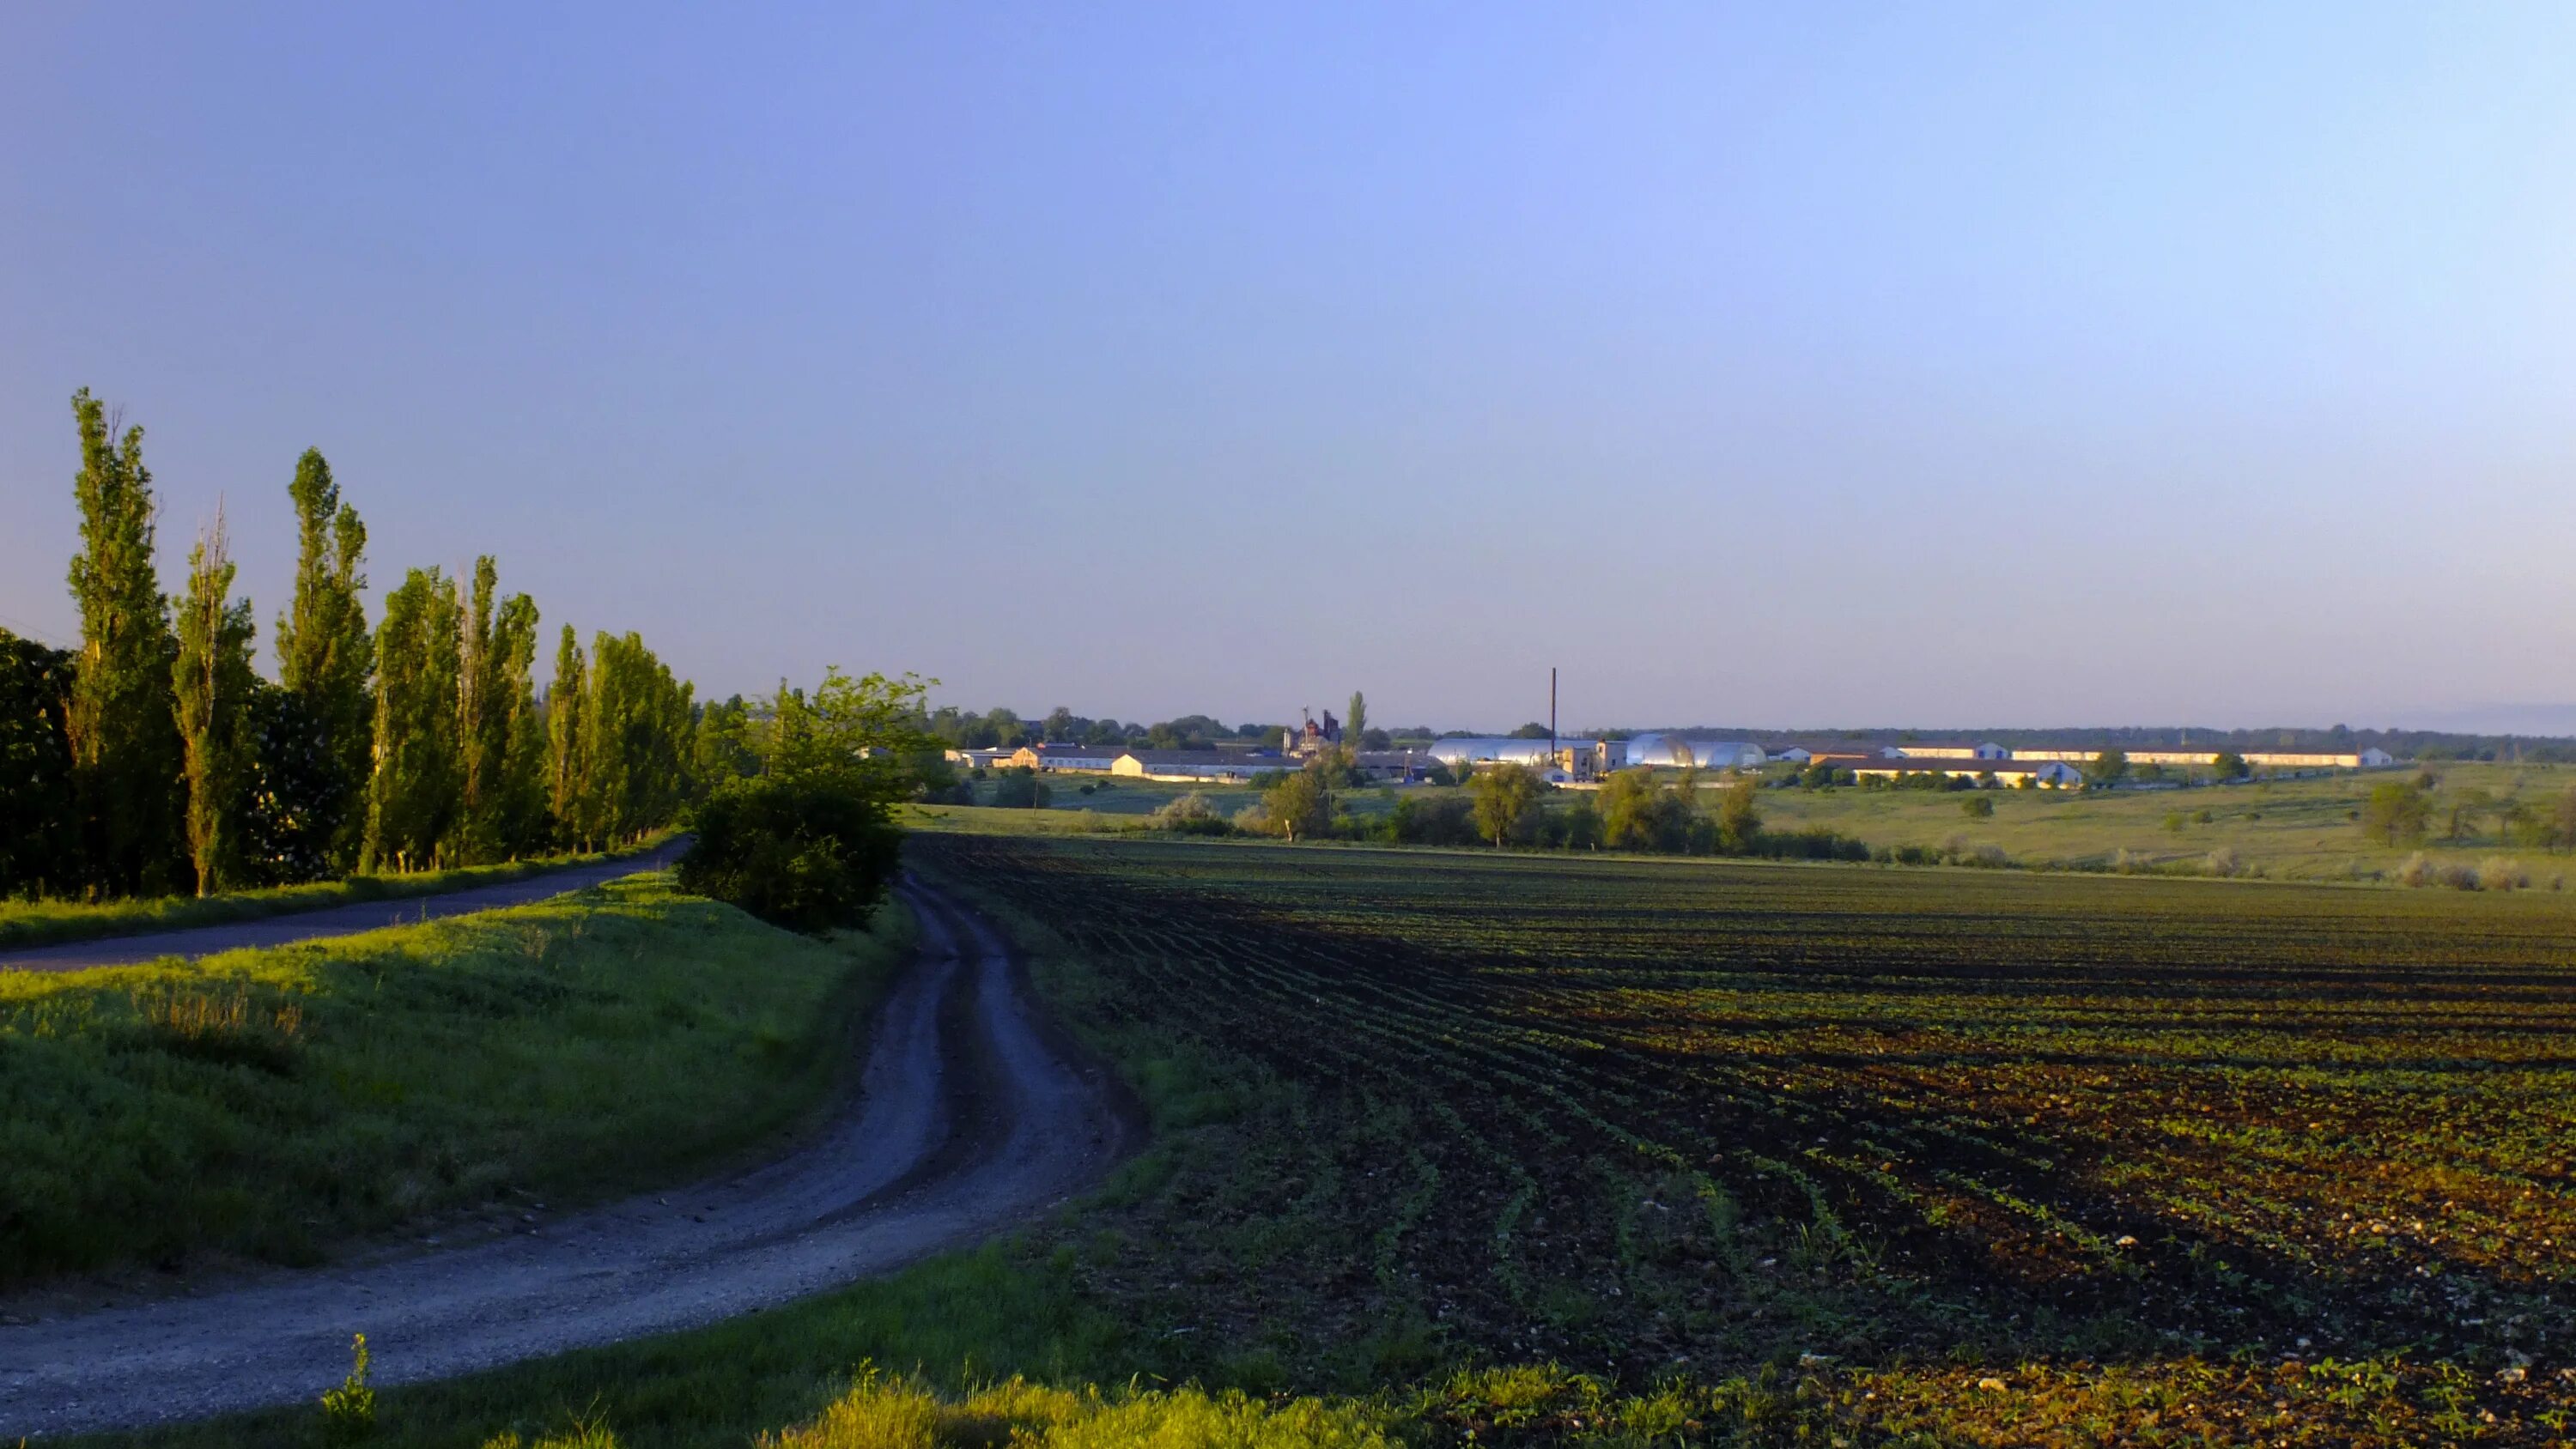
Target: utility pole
(1551, 716)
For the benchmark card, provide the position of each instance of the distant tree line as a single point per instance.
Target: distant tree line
(1512, 806)
(1005, 729)
(156, 759)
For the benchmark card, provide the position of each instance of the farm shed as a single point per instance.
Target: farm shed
(1087, 759)
(1579, 758)
(1986, 751)
(2036, 774)
(1227, 765)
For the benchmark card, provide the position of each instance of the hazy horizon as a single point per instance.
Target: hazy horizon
(2197, 363)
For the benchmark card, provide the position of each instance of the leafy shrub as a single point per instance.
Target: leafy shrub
(810, 855)
(1190, 814)
(2417, 871)
(1978, 807)
(1299, 805)
(1431, 820)
(2500, 874)
(2222, 862)
(1019, 788)
(1813, 843)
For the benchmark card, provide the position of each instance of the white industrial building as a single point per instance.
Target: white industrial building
(1689, 752)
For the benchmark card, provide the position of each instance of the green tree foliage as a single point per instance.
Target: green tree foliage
(1978, 807)
(811, 853)
(292, 762)
(1299, 804)
(2464, 809)
(869, 724)
(1017, 787)
(2230, 765)
(1531, 731)
(725, 749)
(415, 800)
(327, 660)
(1432, 820)
(1738, 820)
(811, 842)
(641, 727)
(500, 732)
(1355, 720)
(121, 724)
(567, 764)
(2397, 813)
(1639, 814)
(1577, 827)
(2107, 769)
(39, 848)
(211, 682)
(1506, 801)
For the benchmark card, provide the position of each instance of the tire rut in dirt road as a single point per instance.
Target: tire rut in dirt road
(971, 1115)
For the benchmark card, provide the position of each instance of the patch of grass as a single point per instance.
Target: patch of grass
(2292, 829)
(272, 1103)
(44, 923)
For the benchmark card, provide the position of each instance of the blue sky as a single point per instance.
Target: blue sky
(1763, 364)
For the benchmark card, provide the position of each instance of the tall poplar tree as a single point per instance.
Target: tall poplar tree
(504, 748)
(567, 771)
(640, 727)
(326, 660)
(124, 738)
(415, 797)
(211, 681)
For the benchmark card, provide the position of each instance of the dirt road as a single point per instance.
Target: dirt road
(970, 1116)
(332, 920)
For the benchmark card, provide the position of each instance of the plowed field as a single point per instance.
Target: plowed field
(2305, 1151)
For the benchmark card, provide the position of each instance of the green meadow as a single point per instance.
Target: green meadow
(271, 1105)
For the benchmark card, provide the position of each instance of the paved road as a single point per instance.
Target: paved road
(971, 1116)
(331, 920)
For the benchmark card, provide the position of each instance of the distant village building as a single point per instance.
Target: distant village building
(1987, 751)
(1087, 759)
(1314, 739)
(1219, 766)
(1574, 759)
(2261, 759)
(2033, 774)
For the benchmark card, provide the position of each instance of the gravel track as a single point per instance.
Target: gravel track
(347, 920)
(971, 1115)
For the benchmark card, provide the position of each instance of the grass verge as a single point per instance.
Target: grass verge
(268, 1104)
(48, 922)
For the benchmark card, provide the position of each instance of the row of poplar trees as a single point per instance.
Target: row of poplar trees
(155, 759)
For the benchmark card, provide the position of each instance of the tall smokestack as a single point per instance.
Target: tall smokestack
(1551, 715)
